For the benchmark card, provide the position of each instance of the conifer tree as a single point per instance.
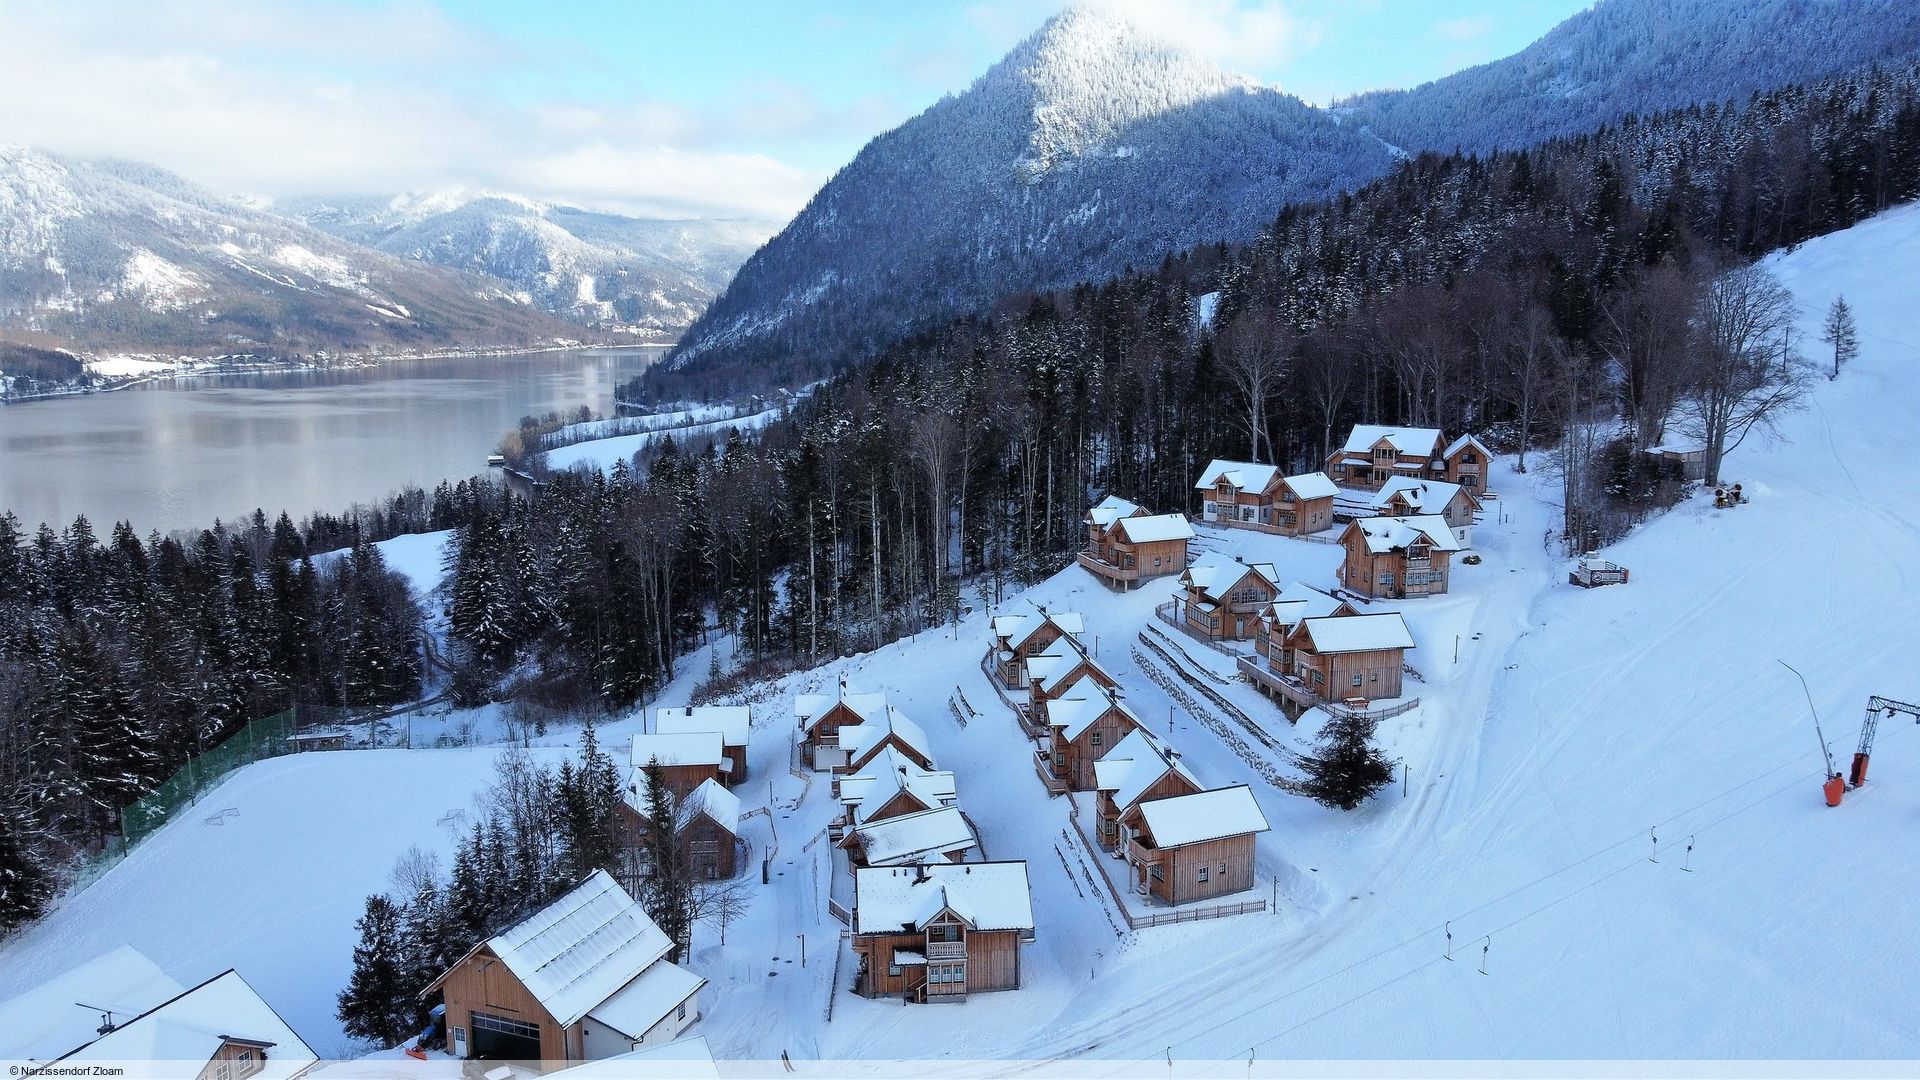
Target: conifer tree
(1838, 331)
(1346, 769)
(375, 1005)
(26, 881)
(667, 893)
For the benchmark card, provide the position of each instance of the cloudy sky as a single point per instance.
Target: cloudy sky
(700, 108)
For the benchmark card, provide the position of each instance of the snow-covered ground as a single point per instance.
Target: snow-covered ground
(1580, 735)
(602, 453)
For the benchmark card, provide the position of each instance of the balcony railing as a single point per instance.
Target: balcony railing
(946, 950)
(1107, 569)
(1055, 785)
(1137, 853)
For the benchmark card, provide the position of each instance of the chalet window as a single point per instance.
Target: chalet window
(1249, 596)
(1468, 457)
(223, 1071)
(893, 970)
(1203, 875)
(505, 1025)
(1286, 495)
(1382, 453)
(248, 1063)
(1386, 578)
(943, 932)
(1156, 873)
(1376, 676)
(946, 973)
(681, 1013)
(1249, 512)
(1358, 679)
(1469, 481)
(1319, 676)
(1097, 738)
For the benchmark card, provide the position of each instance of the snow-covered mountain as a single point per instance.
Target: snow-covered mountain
(116, 254)
(1089, 147)
(605, 270)
(1630, 57)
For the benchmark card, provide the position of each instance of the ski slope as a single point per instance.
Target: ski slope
(1575, 729)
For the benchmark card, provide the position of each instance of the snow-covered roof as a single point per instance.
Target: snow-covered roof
(579, 950)
(1462, 443)
(1243, 475)
(1300, 601)
(1384, 534)
(1422, 496)
(1083, 706)
(1676, 448)
(44, 1021)
(681, 1059)
(636, 1007)
(733, 722)
(859, 739)
(193, 1025)
(1216, 574)
(1016, 629)
(1313, 485)
(1358, 633)
(1111, 509)
(1424, 442)
(917, 837)
(989, 895)
(888, 774)
(1133, 765)
(1208, 815)
(715, 801)
(1148, 530)
(680, 748)
(808, 708)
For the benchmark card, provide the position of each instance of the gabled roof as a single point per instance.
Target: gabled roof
(715, 801)
(1111, 509)
(1133, 765)
(1216, 575)
(921, 836)
(809, 708)
(581, 949)
(1384, 534)
(1463, 442)
(889, 774)
(1016, 629)
(1148, 530)
(1243, 475)
(989, 895)
(1357, 633)
(860, 739)
(1082, 708)
(733, 722)
(1209, 815)
(1313, 485)
(44, 1020)
(1418, 442)
(1300, 601)
(687, 748)
(636, 1007)
(193, 1025)
(1421, 496)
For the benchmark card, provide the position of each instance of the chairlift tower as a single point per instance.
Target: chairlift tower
(1876, 706)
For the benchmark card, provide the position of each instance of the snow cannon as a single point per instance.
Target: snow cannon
(1835, 788)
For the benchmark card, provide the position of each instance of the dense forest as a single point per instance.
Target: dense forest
(1577, 287)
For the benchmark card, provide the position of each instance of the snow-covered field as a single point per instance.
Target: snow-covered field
(1575, 729)
(602, 453)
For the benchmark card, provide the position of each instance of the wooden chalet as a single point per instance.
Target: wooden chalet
(864, 741)
(1101, 515)
(940, 933)
(1081, 728)
(1193, 847)
(710, 832)
(1249, 496)
(733, 722)
(1350, 657)
(220, 1028)
(1294, 603)
(686, 760)
(1141, 767)
(584, 978)
(1466, 461)
(890, 785)
(1224, 596)
(1404, 496)
(1018, 636)
(1397, 557)
(1055, 672)
(1136, 548)
(939, 835)
(821, 716)
(1374, 454)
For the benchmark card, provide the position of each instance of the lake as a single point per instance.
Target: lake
(179, 453)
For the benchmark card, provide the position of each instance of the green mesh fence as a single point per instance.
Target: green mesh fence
(267, 737)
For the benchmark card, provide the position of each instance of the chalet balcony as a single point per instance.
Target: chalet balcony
(1272, 682)
(1142, 855)
(1043, 765)
(946, 950)
(1106, 569)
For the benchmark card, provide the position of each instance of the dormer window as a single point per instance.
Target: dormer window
(1381, 453)
(1468, 457)
(1226, 489)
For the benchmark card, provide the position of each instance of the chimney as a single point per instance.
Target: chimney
(919, 873)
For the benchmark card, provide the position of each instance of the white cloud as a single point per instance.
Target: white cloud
(284, 100)
(1246, 36)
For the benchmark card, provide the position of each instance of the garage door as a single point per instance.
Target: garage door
(505, 1038)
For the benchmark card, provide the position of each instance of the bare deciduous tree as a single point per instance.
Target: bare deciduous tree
(1254, 352)
(1743, 370)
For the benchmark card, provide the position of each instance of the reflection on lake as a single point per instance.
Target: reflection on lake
(180, 453)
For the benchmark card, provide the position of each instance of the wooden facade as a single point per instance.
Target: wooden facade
(1224, 599)
(1170, 782)
(1466, 460)
(1374, 454)
(944, 963)
(511, 1020)
(679, 779)
(707, 849)
(1178, 875)
(1373, 674)
(1418, 563)
(238, 1059)
(1017, 637)
(1082, 669)
(1074, 745)
(1248, 496)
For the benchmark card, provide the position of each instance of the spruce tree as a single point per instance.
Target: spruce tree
(1838, 331)
(26, 881)
(375, 1005)
(666, 893)
(1346, 768)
